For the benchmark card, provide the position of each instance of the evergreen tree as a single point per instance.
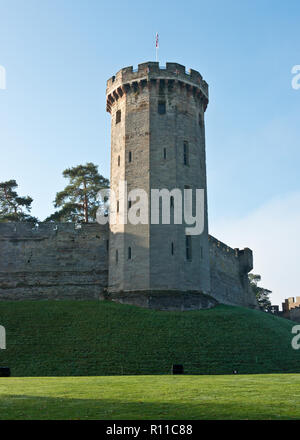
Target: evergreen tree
(12, 206)
(262, 295)
(78, 201)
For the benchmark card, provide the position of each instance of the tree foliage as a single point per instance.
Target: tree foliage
(262, 295)
(12, 206)
(78, 200)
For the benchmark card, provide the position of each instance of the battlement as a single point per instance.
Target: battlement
(222, 246)
(244, 256)
(17, 230)
(290, 303)
(118, 84)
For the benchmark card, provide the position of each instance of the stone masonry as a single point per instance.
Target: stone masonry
(52, 261)
(158, 142)
(63, 261)
(147, 152)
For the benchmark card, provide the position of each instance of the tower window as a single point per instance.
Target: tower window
(117, 256)
(186, 159)
(118, 116)
(200, 119)
(118, 206)
(129, 253)
(129, 204)
(165, 153)
(129, 156)
(188, 247)
(119, 160)
(172, 248)
(161, 108)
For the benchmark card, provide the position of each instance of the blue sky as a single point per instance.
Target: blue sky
(58, 55)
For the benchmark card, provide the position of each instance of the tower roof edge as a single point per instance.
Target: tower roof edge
(152, 70)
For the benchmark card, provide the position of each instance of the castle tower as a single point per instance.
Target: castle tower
(157, 141)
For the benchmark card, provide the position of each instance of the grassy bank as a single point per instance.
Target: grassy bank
(90, 338)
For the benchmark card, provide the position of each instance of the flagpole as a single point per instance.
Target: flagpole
(156, 46)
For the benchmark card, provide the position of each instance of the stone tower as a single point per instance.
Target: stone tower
(157, 141)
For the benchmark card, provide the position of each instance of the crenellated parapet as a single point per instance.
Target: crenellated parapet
(43, 230)
(151, 74)
(243, 256)
(215, 243)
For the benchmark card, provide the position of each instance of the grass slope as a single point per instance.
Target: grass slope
(151, 397)
(90, 338)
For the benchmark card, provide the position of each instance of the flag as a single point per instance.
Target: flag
(156, 40)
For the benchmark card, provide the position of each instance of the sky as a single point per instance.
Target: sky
(59, 54)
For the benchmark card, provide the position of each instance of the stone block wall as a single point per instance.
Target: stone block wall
(67, 261)
(229, 270)
(48, 261)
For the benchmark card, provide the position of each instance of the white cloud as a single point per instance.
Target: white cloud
(273, 233)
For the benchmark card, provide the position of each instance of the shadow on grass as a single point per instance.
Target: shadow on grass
(26, 407)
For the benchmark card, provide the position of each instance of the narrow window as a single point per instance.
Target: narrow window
(185, 153)
(118, 205)
(129, 156)
(200, 119)
(172, 201)
(118, 116)
(107, 245)
(129, 204)
(117, 256)
(129, 253)
(161, 108)
(188, 247)
(172, 248)
(119, 160)
(165, 153)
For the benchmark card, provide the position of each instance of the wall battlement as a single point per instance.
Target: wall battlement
(41, 230)
(245, 256)
(222, 246)
(290, 304)
(150, 71)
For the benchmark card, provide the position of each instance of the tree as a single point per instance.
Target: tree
(262, 295)
(13, 207)
(78, 201)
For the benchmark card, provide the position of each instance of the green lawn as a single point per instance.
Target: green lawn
(94, 338)
(152, 397)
